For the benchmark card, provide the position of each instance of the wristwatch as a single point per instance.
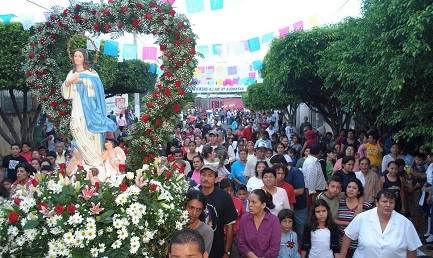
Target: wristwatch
(228, 253)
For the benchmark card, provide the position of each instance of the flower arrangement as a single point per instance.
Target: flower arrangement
(172, 33)
(130, 215)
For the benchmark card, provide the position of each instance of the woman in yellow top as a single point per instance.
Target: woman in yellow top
(374, 149)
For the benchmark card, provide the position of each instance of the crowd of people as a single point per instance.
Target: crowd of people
(261, 188)
(309, 194)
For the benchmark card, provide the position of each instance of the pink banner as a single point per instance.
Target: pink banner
(149, 53)
(226, 103)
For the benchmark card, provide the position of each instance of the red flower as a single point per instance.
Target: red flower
(64, 103)
(111, 1)
(53, 36)
(40, 29)
(41, 57)
(107, 26)
(168, 174)
(154, 32)
(97, 27)
(146, 159)
(33, 44)
(17, 201)
(62, 165)
(164, 105)
(177, 34)
(123, 187)
(149, 131)
(162, 67)
(176, 107)
(182, 170)
(123, 9)
(93, 11)
(148, 16)
(65, 12)
(192, 51)
(54, 104)
(13, 217)
(172, 12)
(34, 182)
(122, 145)
(106, 11)
(180, 25)
(152, 156)
(127, 150)
(139, 5)
(170, 158)
(56, 124)
(159, 86)
(177, 83)
(136, 23)
(96, 185)
(76, 18)
(167, 92)
(59, 209)
(150, 105)
(168, 74)
(178, 64)
(174, 166)
(122, 167)
(145, 118)
(181, 92)
(71, 208)
(162, 47)
(177, 43)
(53, 17)
(188, 40)
(153, 187)
(80, 167)
(155, 95)
(152, 4)
(77, 7)
(158, 122)
(143, 148)
(120, 25)
(60, 23)
(42, 41)
(159, 10)
(42, 204)
(48, 24)
(31, 54)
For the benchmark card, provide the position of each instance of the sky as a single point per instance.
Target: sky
(238, 20)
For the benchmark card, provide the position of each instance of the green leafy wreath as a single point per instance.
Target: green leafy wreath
(176, 40)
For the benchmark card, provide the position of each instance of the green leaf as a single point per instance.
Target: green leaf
(68, 190)
(31, 224)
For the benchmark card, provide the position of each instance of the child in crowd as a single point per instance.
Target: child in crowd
(228, 185)
(293, 155)
(320, 238)
(269, 153)
(332, 195)
(242, 194)
(289, 239)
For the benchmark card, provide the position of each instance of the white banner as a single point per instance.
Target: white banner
(215, 89)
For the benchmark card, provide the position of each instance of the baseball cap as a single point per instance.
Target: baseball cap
(210, 167)
(213, 132)
(262, 145)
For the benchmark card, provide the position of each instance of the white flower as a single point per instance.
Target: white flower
(130, 175)
(179, 225)
(30, 234)
(94, 252)
(12, 230)
(121, 199)
(145, 167)
(109, 229)
(101, 247)
(117, 244)
(117, 223)
(122, 233)
(20, 240)
(68, 238)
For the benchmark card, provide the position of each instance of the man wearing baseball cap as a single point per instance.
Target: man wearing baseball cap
(221, 212)
(260, 156)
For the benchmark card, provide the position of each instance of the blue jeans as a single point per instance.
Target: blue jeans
(301, 218)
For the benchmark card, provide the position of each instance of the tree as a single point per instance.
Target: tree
(132, 76)
(13, 39)
(384, 58)
(261, 97)
(291, 64)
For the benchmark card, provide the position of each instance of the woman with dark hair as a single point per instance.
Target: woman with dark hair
(195, 205)
(24, 170)
(369, 180)
(347, 208)
(320, 239)
(256, 181)
(36, 163)
(346, 173)
(197, 164)
(350, 151)
(395, 183)
(279, 195)
(259, 232)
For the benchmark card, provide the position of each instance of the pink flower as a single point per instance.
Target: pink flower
(88, 193)
(139, 182)
(47, 213)
(96, 209)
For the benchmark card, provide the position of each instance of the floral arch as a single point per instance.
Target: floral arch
(132, 215)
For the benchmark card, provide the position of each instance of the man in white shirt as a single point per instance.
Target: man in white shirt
(290, 130)
(251, 163)
(313, 175)
(265, 140)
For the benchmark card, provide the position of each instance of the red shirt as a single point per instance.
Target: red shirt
(27, 156)
(248, 133)
(290, 192)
